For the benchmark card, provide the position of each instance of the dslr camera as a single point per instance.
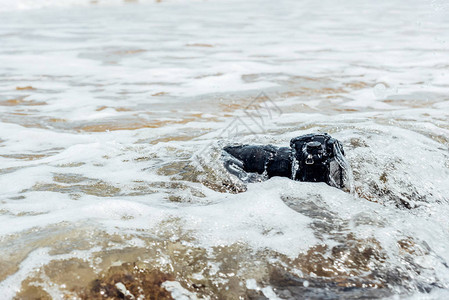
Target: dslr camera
(310, 157)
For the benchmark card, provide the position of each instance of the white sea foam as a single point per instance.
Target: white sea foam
(12, 5)
(178, 292)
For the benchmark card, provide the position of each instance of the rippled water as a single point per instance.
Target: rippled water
(112, 117)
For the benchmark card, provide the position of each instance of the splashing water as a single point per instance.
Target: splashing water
(348, 178)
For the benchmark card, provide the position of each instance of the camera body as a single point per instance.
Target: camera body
(311, 157)
(316, 159)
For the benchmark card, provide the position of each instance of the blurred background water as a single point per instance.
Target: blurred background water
(113, 114)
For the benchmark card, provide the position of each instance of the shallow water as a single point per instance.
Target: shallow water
(113, 114)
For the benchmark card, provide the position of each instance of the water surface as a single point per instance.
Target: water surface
(112, 117)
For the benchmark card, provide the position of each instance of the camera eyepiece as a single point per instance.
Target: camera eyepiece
(314, 147)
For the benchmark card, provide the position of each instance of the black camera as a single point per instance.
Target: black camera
(311, 157)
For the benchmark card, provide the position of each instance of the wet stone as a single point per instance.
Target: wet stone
(128, 281)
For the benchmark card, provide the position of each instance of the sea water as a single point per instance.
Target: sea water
(112, 119)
